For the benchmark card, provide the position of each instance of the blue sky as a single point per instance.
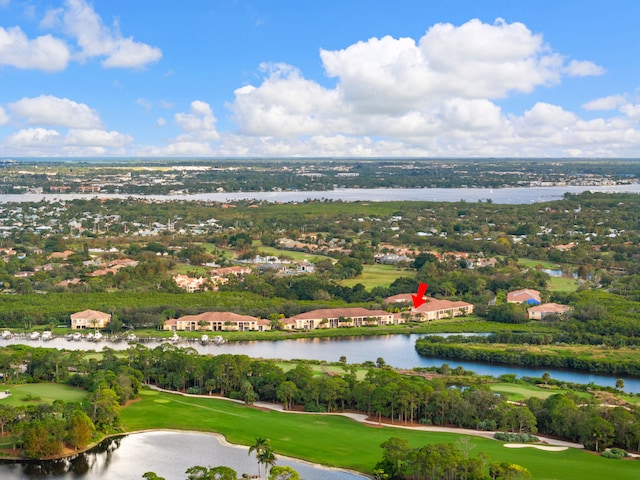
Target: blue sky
(356, 78)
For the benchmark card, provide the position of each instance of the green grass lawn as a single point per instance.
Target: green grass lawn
(556, 284)
(378, 276)
(517, 393)
(324, 369)
(533, 263)
(46, 392)
(341, 442)
(562, 284)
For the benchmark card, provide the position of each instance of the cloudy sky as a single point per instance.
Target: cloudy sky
(320, 78)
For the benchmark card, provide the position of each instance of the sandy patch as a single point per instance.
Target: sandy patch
(546, 448)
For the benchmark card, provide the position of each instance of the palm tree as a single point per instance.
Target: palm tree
(267, 457)
(259, 446)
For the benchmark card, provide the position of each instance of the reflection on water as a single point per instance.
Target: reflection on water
(168, 454)
(396, 350)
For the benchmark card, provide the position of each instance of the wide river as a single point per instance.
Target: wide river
(169, 454)
(396, 350)
(513, 196)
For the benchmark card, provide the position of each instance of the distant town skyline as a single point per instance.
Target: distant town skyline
(272, 78)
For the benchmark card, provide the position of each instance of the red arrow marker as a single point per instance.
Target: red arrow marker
(417, 299)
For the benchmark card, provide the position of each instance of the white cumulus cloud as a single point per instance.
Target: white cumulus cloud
(95, 39)
(42, 53)
(438, 95)
(53, 111)
(97, 137)
(198, 128)
(199, 122)
(30, 137)
(286, 104)
(583, 69)
(632, 111)
(4, 118)
(611, 102)
(431, 96)
(76, 142)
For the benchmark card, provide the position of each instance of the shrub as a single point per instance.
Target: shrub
(487, 425)
(30, 397)
(615, 453)
(312, 407)
(515, 437)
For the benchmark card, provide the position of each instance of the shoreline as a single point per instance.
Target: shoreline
(510, 195)
(219, 437)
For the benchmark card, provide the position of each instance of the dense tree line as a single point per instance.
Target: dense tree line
(43, 430)
(382, 394)
(519, 356)
(442, 461)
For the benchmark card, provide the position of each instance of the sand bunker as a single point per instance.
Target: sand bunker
(546, 448)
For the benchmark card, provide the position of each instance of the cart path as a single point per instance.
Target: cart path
(362, 418)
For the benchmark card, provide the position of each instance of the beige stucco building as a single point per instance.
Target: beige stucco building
(435, 309)
(217, 322)
(89, 319)
(340, 317)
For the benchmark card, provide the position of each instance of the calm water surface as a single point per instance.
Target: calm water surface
(517, 195)
(396, 350)
(168, 454)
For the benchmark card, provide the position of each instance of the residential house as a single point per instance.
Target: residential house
(485, 262)
(123, 263)
(62, 255)
(400, 298)
(547, 310)
(340, 317)
(189, 284)
(89, 319)
(526, 295)
(236, 271)
(220, 276)
(89, 188)
(435, 309)
(217, 322)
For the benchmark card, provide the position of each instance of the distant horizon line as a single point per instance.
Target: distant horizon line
(311, 158)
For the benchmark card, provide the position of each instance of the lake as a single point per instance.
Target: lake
(512, 196)
(396, 350)
(168, 454)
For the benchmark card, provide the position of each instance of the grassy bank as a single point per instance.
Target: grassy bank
(378, 276)
(36, 393)
(341, 442)
(519, 392)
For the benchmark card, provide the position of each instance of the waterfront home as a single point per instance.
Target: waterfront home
(217, 322)
(435, 309)
(89, 319)
(547, 311)
(340, 317)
